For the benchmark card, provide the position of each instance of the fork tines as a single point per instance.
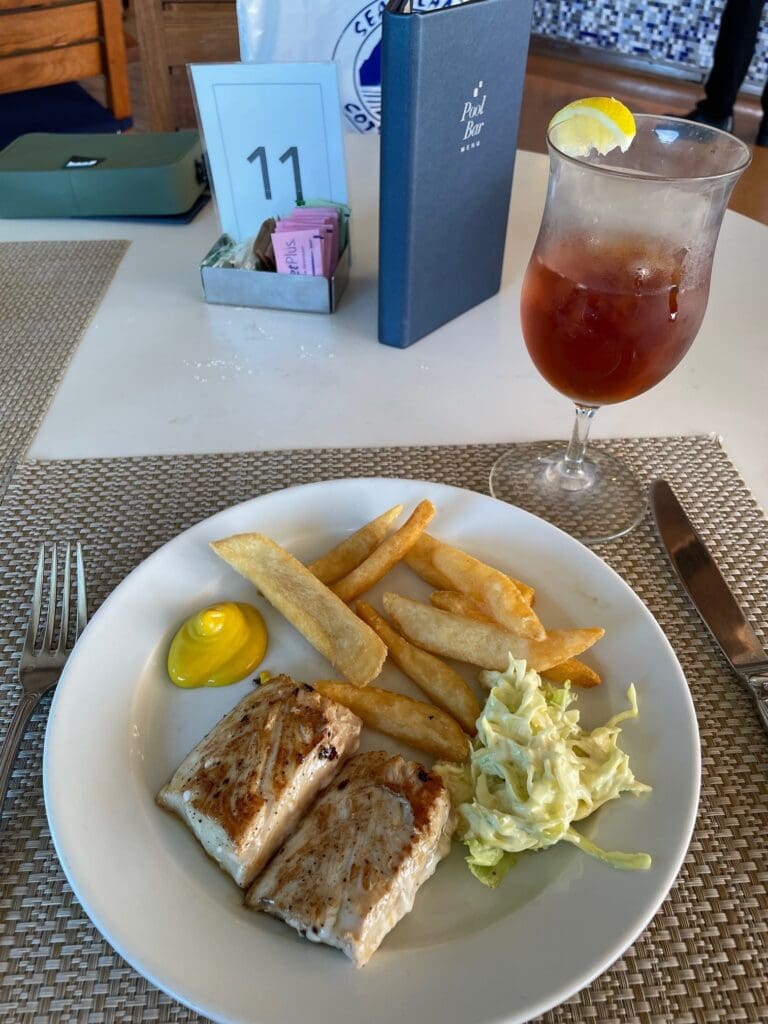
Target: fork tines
(59, 596)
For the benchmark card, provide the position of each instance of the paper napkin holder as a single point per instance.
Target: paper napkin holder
(267, 290)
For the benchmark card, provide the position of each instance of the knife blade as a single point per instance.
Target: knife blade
(710, 594)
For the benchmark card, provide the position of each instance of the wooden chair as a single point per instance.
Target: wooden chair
(46, 42)
(172, 34)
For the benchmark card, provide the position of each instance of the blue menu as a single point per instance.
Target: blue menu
(452, 82)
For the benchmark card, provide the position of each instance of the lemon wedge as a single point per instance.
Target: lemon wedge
(598, 122)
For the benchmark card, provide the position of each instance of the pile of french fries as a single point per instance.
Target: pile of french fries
(476, 615)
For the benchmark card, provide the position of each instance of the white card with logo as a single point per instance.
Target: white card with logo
(273, 136)
(345, 31)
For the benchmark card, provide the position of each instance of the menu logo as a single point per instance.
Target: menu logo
(471, 119)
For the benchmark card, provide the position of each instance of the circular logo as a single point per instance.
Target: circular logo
(358, 54)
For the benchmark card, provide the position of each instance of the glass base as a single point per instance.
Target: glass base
(599, 503)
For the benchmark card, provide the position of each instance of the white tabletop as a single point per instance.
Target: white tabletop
(160, 372)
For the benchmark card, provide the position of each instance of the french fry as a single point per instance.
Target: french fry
(527, 592)
(482, 643)
(319, 615)
(414, 722)
(574, 670)
(420, 559)
(491, 589)
(388, 553)
(442, 684)
(345, 557)
(459, 604)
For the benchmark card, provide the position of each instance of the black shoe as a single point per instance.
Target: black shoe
(725, 124)
(762, 133)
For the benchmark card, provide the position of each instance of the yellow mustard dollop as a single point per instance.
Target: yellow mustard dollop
(217, 646)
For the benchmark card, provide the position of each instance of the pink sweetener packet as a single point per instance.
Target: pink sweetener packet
(330, 232)
(295, 253)
(321, 255)
(329, 227)
(314, 221)
(331, 214)
(325, 264)
(307, 213)
(302, 222)
(325, 238)
(325, 225)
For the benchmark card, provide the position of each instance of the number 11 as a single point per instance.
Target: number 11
(292, 154)
(261, 154)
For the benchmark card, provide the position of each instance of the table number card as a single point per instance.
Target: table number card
(273, 135)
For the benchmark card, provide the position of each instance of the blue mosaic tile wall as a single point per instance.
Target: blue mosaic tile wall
(673, 31)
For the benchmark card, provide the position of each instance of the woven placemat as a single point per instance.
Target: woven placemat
(49, 292)
(704, 956)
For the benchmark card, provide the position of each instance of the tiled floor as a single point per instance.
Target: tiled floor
(552, 82)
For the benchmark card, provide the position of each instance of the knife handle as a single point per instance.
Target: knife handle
(758, 686)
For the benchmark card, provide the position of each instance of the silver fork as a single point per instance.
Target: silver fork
(40, 668)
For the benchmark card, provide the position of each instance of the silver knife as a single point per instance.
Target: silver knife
(710, 594)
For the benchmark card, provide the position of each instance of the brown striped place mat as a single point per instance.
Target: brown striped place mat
(49, 292)
(703, 958)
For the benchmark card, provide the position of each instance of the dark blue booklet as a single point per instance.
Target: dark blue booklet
(452, 83)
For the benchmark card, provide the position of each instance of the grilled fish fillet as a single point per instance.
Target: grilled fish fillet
(353, 867)
(245, 786)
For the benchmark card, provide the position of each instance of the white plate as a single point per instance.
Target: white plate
(118, 729)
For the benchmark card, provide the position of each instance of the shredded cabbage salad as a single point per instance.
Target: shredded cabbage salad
(533, 771)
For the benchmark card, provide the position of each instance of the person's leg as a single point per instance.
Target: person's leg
(762, 132)
(735, 47)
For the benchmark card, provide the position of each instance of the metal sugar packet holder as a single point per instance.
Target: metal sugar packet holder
(273, 137)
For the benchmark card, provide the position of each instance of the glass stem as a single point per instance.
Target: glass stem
(573, 461)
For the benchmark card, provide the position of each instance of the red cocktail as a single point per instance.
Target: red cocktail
(605, 320)
(614, 295)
